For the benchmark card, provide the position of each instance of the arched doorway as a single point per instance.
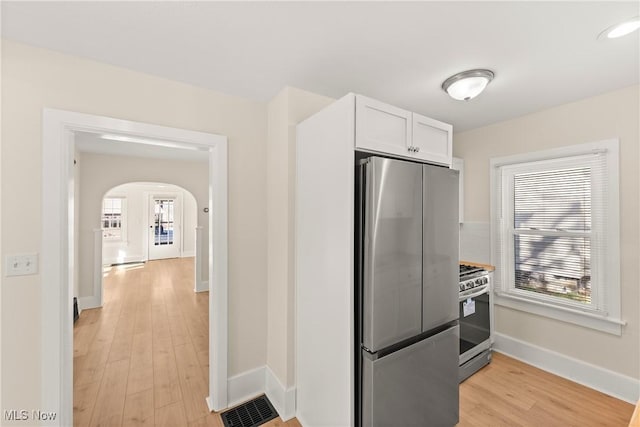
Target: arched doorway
(144, 221)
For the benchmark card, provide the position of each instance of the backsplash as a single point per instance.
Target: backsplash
(475, 242)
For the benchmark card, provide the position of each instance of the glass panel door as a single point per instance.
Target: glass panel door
(164, 228)
(163, 221)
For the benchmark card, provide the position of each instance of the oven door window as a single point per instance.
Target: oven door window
(474, 322)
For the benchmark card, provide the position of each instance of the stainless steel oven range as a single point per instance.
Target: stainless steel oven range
(475, 319)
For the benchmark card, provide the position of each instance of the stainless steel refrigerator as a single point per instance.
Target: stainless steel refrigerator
(407, 332)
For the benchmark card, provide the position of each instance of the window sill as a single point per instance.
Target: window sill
(565, 314)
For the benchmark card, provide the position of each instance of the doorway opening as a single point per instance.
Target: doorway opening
(144, 221)
(61, 236)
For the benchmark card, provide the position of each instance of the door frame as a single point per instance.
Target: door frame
(57, 261)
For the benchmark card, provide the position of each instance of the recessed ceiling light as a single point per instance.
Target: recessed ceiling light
(467, 84)
(621, 29)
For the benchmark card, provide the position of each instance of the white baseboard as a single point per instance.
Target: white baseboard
(283, 400)
(606, 381)
(209, 404)
(202, 286)
(258, 381)
(136, 258)
(188, 254)
(245, 386)
(88, 302)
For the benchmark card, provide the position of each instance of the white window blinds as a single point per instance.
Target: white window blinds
(552, 232)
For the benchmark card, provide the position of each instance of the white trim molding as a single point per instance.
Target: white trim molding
(612, 383)
(198, 284)
(258, 381)
(97, 266)
(246, 386)
(85, 303)
(57, 262)
(283, 399)
(125, 260)
(203, 287)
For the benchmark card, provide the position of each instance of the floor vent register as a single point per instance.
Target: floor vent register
(250, 414)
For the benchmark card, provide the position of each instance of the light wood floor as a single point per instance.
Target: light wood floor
(142, 359)
(508, 392)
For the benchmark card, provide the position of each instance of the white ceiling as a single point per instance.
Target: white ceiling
(543, 53)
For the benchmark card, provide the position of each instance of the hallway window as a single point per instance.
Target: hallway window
(113, 210)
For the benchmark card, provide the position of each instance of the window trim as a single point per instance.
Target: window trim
(608, 319)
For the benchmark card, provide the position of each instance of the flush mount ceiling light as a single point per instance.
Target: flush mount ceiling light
(467, 84)
(621, 29)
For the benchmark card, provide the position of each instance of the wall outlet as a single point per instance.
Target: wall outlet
(21, 265)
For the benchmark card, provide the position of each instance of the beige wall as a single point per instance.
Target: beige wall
(284, 112)
(34, 78)
(611, 115)
(99, 173)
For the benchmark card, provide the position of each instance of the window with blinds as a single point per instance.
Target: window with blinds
(555, 233)
(552, 232)
(112, 218)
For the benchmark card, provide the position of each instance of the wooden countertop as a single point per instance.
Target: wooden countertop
(477, 264)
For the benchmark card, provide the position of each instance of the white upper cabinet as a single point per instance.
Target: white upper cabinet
(382, 127)
(432, 139)
(387, 129)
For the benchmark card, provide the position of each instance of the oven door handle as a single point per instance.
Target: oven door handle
(483, 290)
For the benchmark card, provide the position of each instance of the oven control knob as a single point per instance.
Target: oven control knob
(485, 280)
(478, 282)
(461, 286)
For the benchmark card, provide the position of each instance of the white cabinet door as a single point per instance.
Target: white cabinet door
(458, 164)
(381, 127)
(432, 140)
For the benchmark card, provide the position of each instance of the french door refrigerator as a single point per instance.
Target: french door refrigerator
(407, 332)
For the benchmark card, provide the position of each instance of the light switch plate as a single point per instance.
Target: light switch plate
(21, 265)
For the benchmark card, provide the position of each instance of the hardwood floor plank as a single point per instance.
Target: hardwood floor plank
(141, 367)
(171, 416)
(179, 331)
(139, 409)
(166, 384)
(277, 422)
(194, 387)
(211, 420)
(89, 368)
(143, 318)
(122, 339)
(83, 403)
(110, 400)
(83, 334)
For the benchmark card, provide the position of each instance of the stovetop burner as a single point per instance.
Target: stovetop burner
(466, 270)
